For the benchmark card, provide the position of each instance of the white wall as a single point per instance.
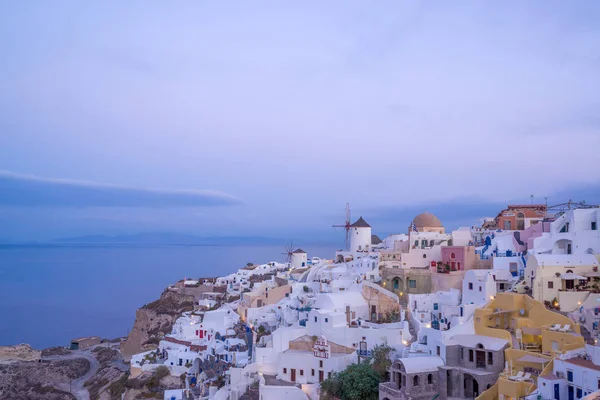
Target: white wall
(360, 239)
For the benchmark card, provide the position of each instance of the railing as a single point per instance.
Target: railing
(389, 389)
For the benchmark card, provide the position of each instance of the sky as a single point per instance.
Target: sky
(266, 117)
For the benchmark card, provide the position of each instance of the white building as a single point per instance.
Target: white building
(360, 236)
(481, 285)
(563, 277)
(308, 361)
(574, 232)
(352, 304)
(574, 375)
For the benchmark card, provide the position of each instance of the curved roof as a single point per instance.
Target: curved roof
(338, 301)
(360, 223)
(427, 220)
(298, 251)
(416, 365)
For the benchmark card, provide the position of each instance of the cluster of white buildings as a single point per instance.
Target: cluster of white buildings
(456, 307)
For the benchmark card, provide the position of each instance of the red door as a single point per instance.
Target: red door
(201, 333)
(320, 376)
(293, 375)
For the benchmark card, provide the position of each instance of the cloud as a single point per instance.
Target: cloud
(30, 191)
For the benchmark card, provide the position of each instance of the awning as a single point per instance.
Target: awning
(592, 274)
(571, 276)
(531, 331)
(533, 359)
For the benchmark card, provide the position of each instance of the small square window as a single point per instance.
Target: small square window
(412, 283)
(326, 320)
(569, 376)
(301, 372)
(550, 285)
(470, 285)
(594, 227)
(285, 370)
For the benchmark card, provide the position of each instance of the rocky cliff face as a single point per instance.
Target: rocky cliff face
(154, 320)
(20, 352)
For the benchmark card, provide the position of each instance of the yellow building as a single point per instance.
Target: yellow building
(536, 335)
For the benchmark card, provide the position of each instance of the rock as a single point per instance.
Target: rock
(47, 380)
(154, 320)
(20, 352)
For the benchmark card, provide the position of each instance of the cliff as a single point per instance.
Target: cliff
(154, 320)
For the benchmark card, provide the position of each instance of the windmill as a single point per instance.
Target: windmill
(289, 250)
(346, 226)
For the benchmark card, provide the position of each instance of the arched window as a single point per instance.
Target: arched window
(431, 243)
(424, 255)
(429, 379)
(479, 346)
(416, 380)
(452, 256)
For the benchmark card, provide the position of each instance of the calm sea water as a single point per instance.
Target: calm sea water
(50, 295)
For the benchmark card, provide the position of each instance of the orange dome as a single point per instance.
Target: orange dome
(427, 220)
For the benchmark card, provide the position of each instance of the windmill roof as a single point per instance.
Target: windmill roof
(375, 239)
(360, 223)
(298, 251)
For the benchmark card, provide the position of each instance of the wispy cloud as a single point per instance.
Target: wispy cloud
(31, 191)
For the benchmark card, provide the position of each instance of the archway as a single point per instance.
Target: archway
(471, 386)
(397, 284)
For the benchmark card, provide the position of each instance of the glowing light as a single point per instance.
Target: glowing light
(491, 297)
(404, 342)
(428, 326)
(401, 294)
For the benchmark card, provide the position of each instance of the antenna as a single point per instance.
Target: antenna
(532, 196)
(346, 226)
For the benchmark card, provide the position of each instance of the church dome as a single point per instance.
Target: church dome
(427, 220)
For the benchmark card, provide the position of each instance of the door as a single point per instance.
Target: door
(320, 376)
(570, 392)
(293, 372)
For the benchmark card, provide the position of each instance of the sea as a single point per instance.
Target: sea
(52, 294)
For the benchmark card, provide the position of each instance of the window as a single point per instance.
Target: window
(416, 380)
(569, 376)
(438, 350)
(429, 379)
(315, 319)
(285, 370)
(424, 255)
(435, 306)
(452, 256)
(490, 358)
(412, 283)
(579, 393)
(462, 353)
(321, 364)
(470, 355)
(326, 320)
(312, 372)
(480, 288)
(301, 372)
(416, 243)
(470, 285)
(550, 285)
(329, 374)
(594, 226)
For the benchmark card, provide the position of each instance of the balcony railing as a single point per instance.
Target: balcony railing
(389, 388)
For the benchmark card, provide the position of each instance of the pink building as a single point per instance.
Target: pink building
(457, 258)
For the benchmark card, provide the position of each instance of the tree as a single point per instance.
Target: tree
(356, 382)
(380, 360)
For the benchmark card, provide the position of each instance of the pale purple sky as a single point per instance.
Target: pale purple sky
(290, 110)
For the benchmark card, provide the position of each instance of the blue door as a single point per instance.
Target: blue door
(570, 392)
(556, 392)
